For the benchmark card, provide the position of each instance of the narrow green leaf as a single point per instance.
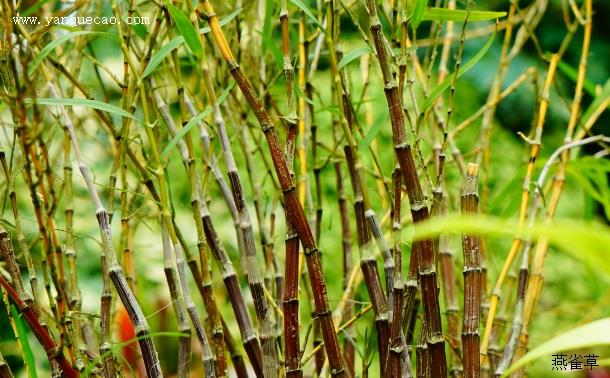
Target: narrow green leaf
(572, 74)
(94, 104)
(418, 12)
(139, 29)
(588, 335)
(304, 8)
(194, 121)
(161, 54)
(56, 42)
(330, 108)
(28, 355)
(186, 28)
(442, 87)
(167, 48)
(584, 241)
(353, 55)
(444, 14)
(373, 131)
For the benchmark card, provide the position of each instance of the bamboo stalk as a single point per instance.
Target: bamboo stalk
(23, 245)
(424, 250)
(447, 266)
(249, 336)
(525, 194)
(346, 243)
(367, 225)
(399, 363)
(472, 279)
(290, 306)
(264, 316)
(54, 353)
(115, 272)
(536, 280)
(184, 341)
(291, 201)
(188, 160)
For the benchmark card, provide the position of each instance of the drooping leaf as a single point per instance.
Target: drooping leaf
(28, 355)
(444, 14)
(186, 28)
(167, 48)
(94, 104)
(588, 335)
(584, 241)
(442, 87)
(194, 121)
(307, 11)
(353, 55)
(56, 42)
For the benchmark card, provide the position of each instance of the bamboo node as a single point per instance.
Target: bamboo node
(322, 314)
(266, 127)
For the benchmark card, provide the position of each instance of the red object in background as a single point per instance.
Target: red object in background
(126, 332)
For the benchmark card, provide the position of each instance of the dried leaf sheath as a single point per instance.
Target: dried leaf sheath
(472, 279)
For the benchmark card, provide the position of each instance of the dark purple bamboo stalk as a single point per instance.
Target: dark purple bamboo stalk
(264, 316)
(349, 351)
(292, 355)
(419, 211)
(294, 208)
(448, 281)
(248, 334)
(54, 354)
(472, 279)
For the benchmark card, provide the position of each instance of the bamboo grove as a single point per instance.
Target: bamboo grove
(221, 179)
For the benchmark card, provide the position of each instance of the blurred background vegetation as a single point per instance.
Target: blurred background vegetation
(574, 292)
